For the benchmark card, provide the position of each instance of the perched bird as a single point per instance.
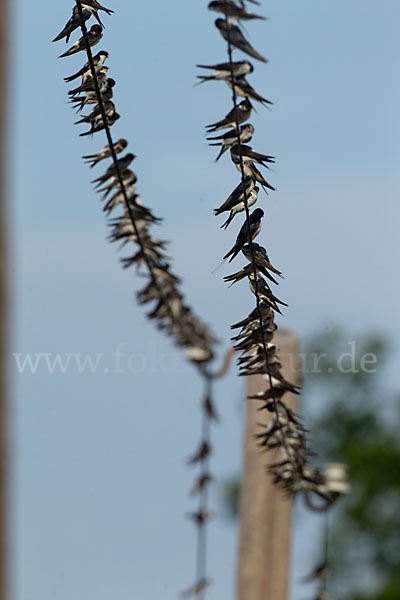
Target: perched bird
(99, 125)
(200, 454)
(232, 10)
(236, 197)
(251, 170)
(209, 409)
(123, 163)
(196, 589)
(199, 517)
(222, 71)
(241, 113)
(244, 235)
(321, 572)
(90, 96)
(264, 292)
(261, 258)
(95, 115)
(128, 178)
(243, 88)
(94, 36)
(75, 22)
(231, 33)
(98, 61)
(249, 155)
(98, 6)
(229, 138)
(240, 207)
(87, 81)
(200, 483)
(105, 152)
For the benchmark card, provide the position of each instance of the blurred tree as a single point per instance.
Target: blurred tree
(354, 418)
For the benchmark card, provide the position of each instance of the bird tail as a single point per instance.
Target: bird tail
(60, 36)
(223, 149)
(229, 219)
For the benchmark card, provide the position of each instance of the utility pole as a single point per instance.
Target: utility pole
(265, 514)
(3, 416)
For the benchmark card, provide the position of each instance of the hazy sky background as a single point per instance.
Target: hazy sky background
(99, 483)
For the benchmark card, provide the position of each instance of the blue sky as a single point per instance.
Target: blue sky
(99, 484)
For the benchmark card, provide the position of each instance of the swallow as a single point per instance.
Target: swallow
(95, 115)
(122, 164)
(75, 22)
(98, 61)
(87, 84)
(99, 125)
(251, 199)
(230, 138)
(322, 572)
(261, 258)
(97, 6)
(87, 81)
(105, 152)
(209, 409)
(244, 90)
(240, 113)
(249, 156)
(245, 272)
(128, 178)
(251, 170)
(197, 589)
(236, 197)
(222, 71)
(94, 36)
(201, 454)
(232, 34)
(199, 517)
(243, 235)
(232, 10)
(200, 483)
(119, 198)
(264, 292)
(90, 97)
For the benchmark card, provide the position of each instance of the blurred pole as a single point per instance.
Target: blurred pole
(3, 533)
(265, 514)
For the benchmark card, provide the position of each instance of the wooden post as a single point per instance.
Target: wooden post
(3, 29)
(265, 514)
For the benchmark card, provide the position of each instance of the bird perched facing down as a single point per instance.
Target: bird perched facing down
(229, 138)
(97, 6)
(74, 22)
(244, 89)
(231, 33)
(232, 10)
(209, 408)
(236, 196)
(199, 517)
(105, 152)
(98, 61)
(241, 112)
(94, 36)
(222, 71)
(201, 453)
(243, 235)
(123, 164)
